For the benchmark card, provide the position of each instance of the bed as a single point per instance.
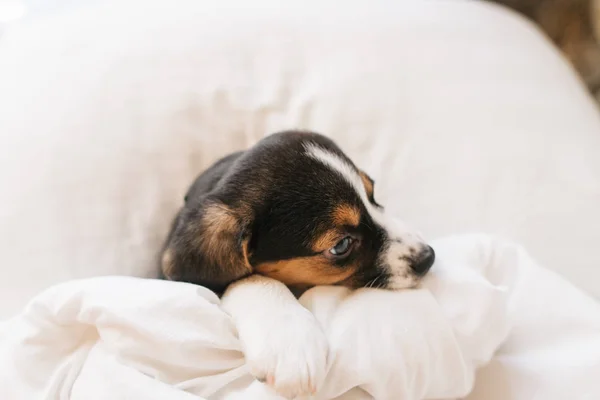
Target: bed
(465, 115)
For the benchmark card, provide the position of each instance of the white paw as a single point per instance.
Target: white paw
(288, 352)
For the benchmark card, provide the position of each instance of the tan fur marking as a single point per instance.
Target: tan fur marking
(221, 227)
(315, 270)
(327, 240)
(246, 254)
(346, 215)
(367, 182)
(167, 263)
(219, 218)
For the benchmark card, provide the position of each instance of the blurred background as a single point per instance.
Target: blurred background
(470, 117)
(12, 10)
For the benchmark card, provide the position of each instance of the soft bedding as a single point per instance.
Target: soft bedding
(488, 321)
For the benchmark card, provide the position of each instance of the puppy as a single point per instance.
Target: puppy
(570, 25)
(290, 213)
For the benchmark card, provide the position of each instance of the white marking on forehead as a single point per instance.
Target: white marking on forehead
(395, 253)
(335, 162)
(349, 174)
(338, 164)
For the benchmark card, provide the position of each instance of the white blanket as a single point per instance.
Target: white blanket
(128, 338)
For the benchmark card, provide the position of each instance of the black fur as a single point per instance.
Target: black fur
(281, 199)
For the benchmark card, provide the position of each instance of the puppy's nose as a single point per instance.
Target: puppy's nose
(424, 261)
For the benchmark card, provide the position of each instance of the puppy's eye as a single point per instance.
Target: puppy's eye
(342, 247)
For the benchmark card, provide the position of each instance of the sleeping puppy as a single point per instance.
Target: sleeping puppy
(288, 214)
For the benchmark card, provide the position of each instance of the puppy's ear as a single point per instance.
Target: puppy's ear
(208, 246)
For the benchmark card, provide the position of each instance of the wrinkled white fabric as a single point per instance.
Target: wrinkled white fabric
(124, 338)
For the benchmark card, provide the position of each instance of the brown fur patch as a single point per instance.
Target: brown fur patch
(368, 182)
(218, 218)
(346, 215)
(315, 270)
(166, 263)
(246, 254)
(327, 240)
(219, 240)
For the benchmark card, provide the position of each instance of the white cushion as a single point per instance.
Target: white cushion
(463, 113)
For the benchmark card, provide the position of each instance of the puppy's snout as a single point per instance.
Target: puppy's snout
(423, 261)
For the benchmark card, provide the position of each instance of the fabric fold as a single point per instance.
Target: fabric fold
(126, 338)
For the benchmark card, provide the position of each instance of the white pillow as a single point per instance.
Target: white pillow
(465, 116)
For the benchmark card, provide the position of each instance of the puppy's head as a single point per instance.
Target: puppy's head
(294, 208)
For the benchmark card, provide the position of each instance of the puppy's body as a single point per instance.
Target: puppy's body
(279, 209)
(570, 25)
(292, 212)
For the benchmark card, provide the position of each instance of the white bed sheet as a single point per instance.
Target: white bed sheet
(124, 338)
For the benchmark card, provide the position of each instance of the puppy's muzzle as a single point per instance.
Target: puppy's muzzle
(423, 261)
